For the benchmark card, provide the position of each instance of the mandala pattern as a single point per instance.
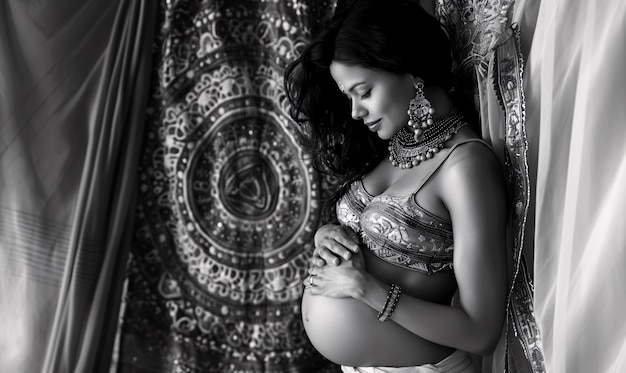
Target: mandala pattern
(228, 204)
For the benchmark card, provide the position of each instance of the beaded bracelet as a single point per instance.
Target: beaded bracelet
(390, 303)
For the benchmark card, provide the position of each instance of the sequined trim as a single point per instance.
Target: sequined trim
(508, 85)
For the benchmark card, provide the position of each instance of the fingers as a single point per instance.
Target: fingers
(332, 243)
(323, 256)
(335, 282)
(310, 283)
(348, 239)
(315, 283)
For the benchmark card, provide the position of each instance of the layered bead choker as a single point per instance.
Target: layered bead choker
(406, 149)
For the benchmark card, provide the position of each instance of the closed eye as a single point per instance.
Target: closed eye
(366, 94)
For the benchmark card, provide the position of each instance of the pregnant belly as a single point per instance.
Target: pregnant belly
(347, 332)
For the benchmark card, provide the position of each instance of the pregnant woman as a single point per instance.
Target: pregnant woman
(420, 204)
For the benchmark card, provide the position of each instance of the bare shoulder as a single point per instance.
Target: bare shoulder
(473, 168)
(473, 159)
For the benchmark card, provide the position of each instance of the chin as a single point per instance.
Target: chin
(387, 132)
(384, 135)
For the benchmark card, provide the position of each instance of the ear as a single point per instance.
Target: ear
(416, 81)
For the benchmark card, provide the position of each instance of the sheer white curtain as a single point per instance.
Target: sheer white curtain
(73, 87)
(576, 96)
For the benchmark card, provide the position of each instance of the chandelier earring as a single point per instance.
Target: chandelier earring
(420, 112)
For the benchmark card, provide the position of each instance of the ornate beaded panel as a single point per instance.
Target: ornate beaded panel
(227, 205)
(487, 53)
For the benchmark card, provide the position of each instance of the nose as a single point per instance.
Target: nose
(358, 111)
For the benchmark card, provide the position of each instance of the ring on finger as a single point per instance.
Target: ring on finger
(311, 280)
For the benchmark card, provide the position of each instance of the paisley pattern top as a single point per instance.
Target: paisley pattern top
(397, 229)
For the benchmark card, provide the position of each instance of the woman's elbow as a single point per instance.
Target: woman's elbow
(486, 347)
(486, 341)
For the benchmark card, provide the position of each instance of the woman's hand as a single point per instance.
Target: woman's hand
(334, 242)
(338, 281)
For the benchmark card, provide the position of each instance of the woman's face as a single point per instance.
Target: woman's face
(379, 98)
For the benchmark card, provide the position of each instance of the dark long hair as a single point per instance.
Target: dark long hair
(395, 36)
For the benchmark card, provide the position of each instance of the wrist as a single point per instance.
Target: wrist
(370, 291)
(359, 289)
(381, 297)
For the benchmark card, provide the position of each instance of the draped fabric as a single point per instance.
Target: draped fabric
(73, 83)
(578, 89)
(489, 68)
(227, 204)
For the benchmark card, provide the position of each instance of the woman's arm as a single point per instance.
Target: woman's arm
(473, 190)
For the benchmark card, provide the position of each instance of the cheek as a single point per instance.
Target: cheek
(396, 107)
(395, 117)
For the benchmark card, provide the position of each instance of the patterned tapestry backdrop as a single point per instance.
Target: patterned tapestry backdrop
(228, 205)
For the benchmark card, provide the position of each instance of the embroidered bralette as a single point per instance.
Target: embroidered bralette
(396, 229)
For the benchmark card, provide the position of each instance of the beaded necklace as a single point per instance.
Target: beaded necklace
(406, 152)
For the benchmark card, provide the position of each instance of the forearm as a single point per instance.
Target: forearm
(441, 324)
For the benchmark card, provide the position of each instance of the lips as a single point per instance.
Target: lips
(373, 126)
